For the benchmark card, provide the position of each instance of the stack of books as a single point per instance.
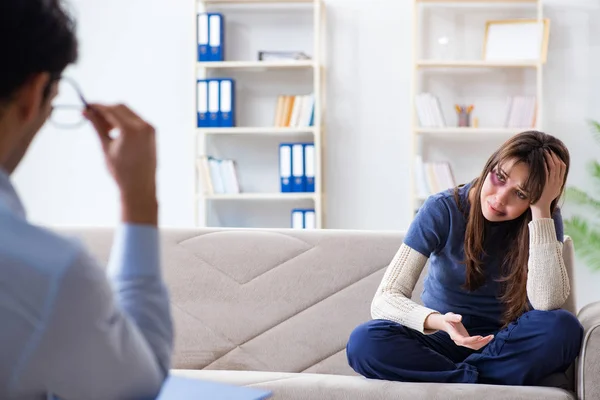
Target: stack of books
(295, 111)
(433, 177)
(520, 112)
(219, 176)
(429, 111)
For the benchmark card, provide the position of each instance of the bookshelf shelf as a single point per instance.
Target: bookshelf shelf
(468, 133)
(259, 65)
(258, 131)
(475, 64)
(273, 110)
(263, 196)
(217, 2)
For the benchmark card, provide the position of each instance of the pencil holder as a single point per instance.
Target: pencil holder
(464, 119)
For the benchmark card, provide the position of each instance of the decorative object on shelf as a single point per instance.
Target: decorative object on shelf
(464, 115)
(282, 56)
(516, 39)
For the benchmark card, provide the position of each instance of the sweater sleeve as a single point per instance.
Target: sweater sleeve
(426, 235)
(392, 300)
(547, 281)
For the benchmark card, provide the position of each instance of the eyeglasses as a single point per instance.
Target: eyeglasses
(68, 106)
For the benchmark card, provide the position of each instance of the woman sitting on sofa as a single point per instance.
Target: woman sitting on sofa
(496, 280)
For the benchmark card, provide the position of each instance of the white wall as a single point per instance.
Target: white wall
(142, 53)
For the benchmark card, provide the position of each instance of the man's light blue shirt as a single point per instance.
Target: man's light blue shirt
(69, 328)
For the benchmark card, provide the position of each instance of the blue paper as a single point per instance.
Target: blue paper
(180, 388)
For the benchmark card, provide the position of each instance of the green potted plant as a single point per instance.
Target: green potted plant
(584, 228)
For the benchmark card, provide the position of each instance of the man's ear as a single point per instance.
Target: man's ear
(32, 95)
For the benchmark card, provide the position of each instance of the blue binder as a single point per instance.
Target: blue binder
(213, 103)
(227, 103)
(216, 37)
(309, 166)
(202, 31)
(298, 176)
(202, 103)
(285, 167)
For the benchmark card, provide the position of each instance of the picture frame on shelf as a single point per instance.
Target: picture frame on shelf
(516, 39)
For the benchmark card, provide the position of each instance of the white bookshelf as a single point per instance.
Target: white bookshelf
(263, 200)
(453, 74)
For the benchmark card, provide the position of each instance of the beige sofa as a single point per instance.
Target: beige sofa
(274, 309)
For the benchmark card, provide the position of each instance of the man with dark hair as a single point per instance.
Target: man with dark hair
(66, 329)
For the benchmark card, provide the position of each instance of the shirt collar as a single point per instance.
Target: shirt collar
(9, 198)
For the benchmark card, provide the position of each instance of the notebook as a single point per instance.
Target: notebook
(180, 388)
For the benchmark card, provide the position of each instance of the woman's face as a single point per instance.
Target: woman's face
(502, 195)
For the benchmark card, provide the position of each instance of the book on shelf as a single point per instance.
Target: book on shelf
(521, 112)
(429, 111)
(295, 111)
(218, 176)
(433, 177)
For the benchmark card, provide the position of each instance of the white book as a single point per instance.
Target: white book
(215, 174)
(308, 106)
(232, 176)
(204, 175)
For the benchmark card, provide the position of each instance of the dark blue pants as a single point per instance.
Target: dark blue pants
(536, 345)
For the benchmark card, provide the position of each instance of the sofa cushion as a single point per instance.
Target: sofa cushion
(305, 386)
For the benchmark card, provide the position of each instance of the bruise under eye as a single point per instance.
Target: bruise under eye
(495, 178)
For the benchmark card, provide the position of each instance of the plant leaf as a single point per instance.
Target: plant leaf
(596, 127)
(580, 197)
(594, 169)
(586, 241)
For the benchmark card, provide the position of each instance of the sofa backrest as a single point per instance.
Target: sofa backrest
(267, 300)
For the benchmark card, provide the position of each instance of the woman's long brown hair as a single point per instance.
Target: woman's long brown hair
(529, 148)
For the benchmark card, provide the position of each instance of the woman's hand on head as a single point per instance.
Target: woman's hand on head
(452, 324)
(555, 176)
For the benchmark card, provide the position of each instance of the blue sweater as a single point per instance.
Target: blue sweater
(438, 232)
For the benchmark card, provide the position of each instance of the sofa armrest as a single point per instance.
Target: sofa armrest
(588, 365)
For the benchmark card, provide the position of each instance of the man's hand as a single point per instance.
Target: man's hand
(131, 159)
(451, 324)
